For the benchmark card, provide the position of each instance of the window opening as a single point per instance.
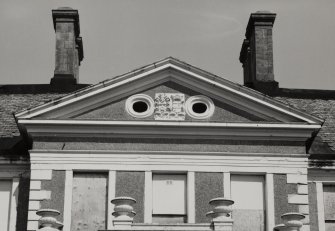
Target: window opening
(199, 108)
(169, 198)
(140, 107)
(5, 196)
(89, 201)
(329, 206)
(247, 191)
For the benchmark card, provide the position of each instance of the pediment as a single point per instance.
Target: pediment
(161, 77)
(170, 85)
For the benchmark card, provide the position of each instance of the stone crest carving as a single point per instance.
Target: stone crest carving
(169, 106)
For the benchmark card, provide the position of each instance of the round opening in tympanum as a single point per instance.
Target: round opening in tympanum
(140, 106)
(199, 108)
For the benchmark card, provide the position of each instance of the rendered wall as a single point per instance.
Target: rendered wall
(151, 144)
(281, 190)
(57, 187)
(131, 184)
(207, 187)
(313, 209)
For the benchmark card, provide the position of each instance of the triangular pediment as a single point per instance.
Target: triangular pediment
(168, 99)
(107, 100)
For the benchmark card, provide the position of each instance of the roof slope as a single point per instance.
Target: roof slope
(14, 102)
(14, 98)
(321, 107)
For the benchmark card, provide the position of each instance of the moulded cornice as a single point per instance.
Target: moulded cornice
(162, 129)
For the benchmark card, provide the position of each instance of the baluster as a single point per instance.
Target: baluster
(220, 215)
(48, 221)
(123, 212)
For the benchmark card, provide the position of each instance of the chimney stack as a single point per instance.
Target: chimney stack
(69, 46)
(257, 53)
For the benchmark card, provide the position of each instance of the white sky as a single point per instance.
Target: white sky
(120, 36)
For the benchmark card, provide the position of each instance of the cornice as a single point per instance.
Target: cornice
(169, 129)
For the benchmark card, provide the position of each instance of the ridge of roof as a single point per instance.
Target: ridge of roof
(305, 93)
(38, 88)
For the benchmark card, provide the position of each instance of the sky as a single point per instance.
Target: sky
(120, 36)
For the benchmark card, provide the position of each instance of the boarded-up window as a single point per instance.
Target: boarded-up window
(329, 205)
(89, 201)
(248, 210)
(5, 195)
(169, 198)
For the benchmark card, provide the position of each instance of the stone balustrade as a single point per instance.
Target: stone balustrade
(124, 216)
(48, 220)
(291, 222)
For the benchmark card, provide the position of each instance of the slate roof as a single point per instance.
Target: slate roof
(322, 107)
(14, 98)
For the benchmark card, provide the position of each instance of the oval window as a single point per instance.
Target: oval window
(140, 105)
(199, 107)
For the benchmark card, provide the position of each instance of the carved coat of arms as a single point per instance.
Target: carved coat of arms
(169, 106)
